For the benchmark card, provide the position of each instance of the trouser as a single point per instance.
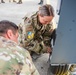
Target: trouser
(34, 55)
(41, 1)
(2, 1)
(20, 0)
(13, 0)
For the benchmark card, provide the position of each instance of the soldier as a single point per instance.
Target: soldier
(19, 2)
(41, 2)
(2, 1)
(14, 60)
(13, 1)
(36, 30)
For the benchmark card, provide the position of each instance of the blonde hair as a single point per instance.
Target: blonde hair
(46, 10)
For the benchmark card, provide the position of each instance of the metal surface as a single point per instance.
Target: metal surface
(57, 69)
(65, 47)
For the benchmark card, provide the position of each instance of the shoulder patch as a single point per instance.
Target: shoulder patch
(29, 28)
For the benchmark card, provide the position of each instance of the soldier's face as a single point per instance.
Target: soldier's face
(45, 19)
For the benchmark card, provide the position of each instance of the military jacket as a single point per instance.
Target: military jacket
(14, 60)
(35, 36)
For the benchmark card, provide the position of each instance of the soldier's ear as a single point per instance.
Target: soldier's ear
(9, 34)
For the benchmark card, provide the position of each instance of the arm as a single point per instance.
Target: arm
(29, 67)
(25, 32)
(49, 37)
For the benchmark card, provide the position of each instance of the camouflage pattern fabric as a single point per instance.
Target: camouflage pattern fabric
(14, 60)
(33, 35)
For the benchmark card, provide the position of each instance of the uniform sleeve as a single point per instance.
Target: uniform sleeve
(29, 67)
(34, 70)
(26, 32)
(53, 33)
(8, 64)
(49, 36)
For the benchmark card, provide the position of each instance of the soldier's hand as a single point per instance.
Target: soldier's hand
(49, 49)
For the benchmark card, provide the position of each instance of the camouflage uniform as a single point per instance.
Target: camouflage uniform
(19, 2)
(15, 60)
(11, 0)
(33, 35)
